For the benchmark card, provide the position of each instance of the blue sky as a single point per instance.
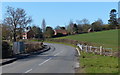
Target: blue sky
(60, 13)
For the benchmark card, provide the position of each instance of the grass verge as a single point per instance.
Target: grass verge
(91, 63)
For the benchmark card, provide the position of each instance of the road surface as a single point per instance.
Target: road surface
(59, 59)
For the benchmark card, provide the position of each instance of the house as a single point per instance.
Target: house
(28, 34)
(60, 31)
(24, 35)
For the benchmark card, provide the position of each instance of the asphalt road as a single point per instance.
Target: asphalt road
(59, 59)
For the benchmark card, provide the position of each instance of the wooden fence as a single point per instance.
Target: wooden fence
(96, 50)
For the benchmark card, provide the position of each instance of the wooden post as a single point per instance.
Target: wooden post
(80, 46)
(78, 51)
(96, 50)
(86, 49)
(100, 50)
(111, 52)
(90, 48)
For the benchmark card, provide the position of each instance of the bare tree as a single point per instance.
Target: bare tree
(70, 27)
(17, 18)
(57, 27)
(100, 20)
(85, 21)
(6, 32)
(83, 25)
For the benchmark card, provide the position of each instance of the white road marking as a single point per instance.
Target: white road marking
(44, 61)
(58, 53)
(49, 59)
(28, 70)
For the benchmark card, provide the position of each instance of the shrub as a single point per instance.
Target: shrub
(6, 49)
(33, 46)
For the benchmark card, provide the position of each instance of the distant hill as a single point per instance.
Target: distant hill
(107, 39)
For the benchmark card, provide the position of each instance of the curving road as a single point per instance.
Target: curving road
(59, 59)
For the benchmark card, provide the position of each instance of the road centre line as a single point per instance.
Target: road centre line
(58, 53)
(49, 59)
(44, 62)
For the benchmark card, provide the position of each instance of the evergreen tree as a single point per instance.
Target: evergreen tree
(113, 19)
(43, 25)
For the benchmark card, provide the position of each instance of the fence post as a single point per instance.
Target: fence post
(100, 50)
(90, 48)
(80, 46)
(96, 50)
(78, 51)
(111, 52)
(86, 49)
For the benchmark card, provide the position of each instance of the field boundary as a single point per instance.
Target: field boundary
(96, 50)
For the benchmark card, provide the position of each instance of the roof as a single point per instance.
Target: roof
(64, 32)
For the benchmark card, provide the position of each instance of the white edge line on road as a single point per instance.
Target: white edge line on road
(49, 59)
(8, 64)
(28, 70)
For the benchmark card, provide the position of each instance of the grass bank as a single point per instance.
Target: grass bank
(91, 63)
(107, 39)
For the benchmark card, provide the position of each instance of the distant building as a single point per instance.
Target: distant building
(28, 34)
(24, 35)
(60, 31)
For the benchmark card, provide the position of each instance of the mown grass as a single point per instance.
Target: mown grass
(107, 39)
(91, 63)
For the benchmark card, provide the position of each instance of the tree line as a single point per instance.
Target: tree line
(17, 22)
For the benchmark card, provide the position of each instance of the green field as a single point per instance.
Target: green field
(107, 39)
(91, 63)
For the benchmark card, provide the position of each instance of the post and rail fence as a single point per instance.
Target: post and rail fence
(96, 50)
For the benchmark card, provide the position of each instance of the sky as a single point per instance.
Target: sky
(60, 13)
